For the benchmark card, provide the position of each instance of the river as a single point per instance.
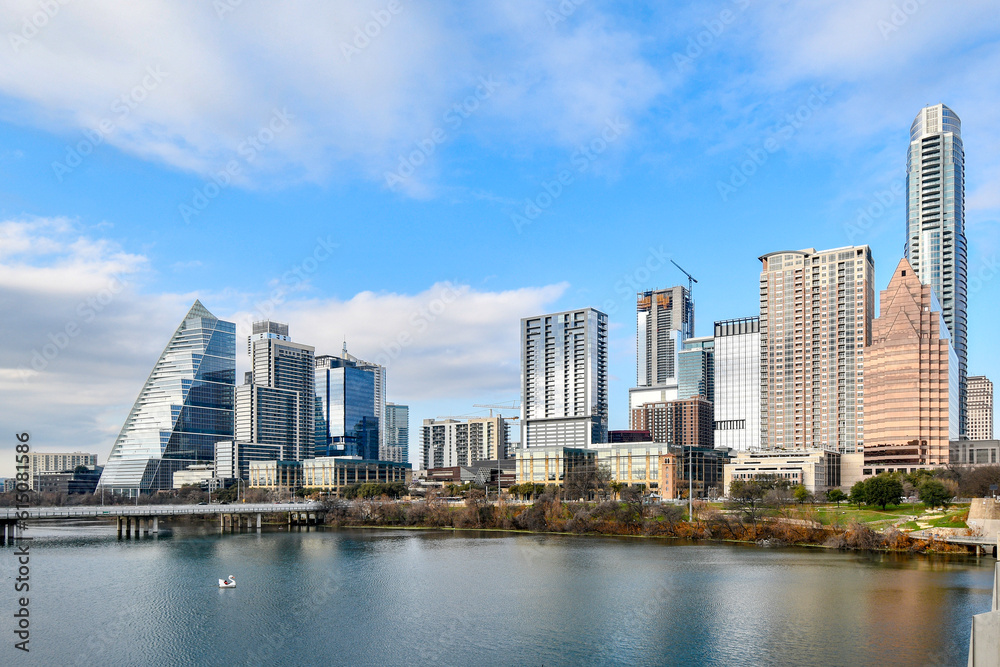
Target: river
(393, 597)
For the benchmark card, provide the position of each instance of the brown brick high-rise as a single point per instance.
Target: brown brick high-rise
(911, 378)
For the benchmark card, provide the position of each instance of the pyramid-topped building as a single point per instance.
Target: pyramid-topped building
(911, 379)
(183, 409)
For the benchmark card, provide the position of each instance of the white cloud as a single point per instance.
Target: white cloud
(196, 85)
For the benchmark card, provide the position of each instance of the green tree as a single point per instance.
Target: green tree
(801, 494)
(883, 490)
(859, 493)
(933, 493)
(836, 496)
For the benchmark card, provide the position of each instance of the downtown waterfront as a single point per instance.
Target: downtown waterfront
(394, 597)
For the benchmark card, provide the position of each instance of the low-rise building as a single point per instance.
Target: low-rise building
(334, 473)
(82, 480)
(282, 476)
(42, 462)
(816, 469)
(973, 452)
(195, 475)
(660, 468)
(233, 457)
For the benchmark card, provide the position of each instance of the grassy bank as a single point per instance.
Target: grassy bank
(832, 527)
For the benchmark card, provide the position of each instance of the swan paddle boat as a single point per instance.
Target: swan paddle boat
(230, 583)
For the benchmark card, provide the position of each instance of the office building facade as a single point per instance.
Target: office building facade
(183, 409)
(737, 384)
(233, 457)
(935, 243)
(378, 381)
(397, 433)
(450, 442)
(816, 312)
(696, 369)
(564, 379)
(345, 397)
(277, 405)
(53, 462)
(911, 379)
(979, 408)
(681, 422)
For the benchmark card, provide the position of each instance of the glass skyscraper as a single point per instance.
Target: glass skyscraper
(397, 433)
(696, 369)
(183, 409)
(935, 224)
(737, 384)
(345, 404)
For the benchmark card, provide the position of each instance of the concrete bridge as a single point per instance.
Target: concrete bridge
(232, 516)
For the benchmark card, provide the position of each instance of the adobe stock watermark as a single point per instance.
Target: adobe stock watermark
(363, 35)
(420, 320)
(878, 204)
(984, 271)
(581, 159)
(899, 16)
(292, 278)
(32, 25)
(86, 312)
(454, 117)
(248, 150)
(757, 157)
(563, 11)
(714, 28)
(121, 107)
(637, 280)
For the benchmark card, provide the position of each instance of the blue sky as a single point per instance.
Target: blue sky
(391, 171)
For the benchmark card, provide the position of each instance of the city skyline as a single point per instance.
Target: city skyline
(682, 136)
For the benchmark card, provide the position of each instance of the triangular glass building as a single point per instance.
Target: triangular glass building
(185, 407)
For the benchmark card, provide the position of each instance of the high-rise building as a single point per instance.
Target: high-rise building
(980, 408)
(397, 433)
(737, 384)
(378, 377)
(664, 320)
(564, 379)
(816, 312)
(183, 409)
(46, 462)
(346, 417)
(276, 403)
(935, 223)
(450, 442)
(681, 422)
(696, 369)
(911, 379)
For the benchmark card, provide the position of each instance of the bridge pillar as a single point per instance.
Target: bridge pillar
(119, 520)
(156, 524)
(258, 522)
(146, 528)
(128, 527)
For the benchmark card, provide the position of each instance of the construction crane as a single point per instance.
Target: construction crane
(514, 406)
(691, 280)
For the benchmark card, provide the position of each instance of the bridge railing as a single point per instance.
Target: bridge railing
(9, 513)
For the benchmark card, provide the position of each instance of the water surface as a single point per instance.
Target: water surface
(382, 597)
